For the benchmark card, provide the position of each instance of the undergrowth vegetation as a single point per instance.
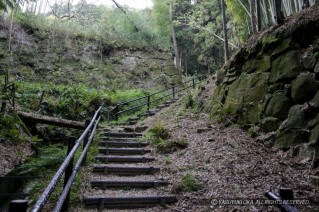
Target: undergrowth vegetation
(9, 128)
(162, 140)
(190, 183)
(46, 163)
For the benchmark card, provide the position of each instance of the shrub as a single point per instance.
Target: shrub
(190, 183)
(159, 131)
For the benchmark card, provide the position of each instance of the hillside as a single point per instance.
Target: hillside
(165, 105)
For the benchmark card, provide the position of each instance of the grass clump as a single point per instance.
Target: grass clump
(188, 101)
(190, 183)
(9, 128)
(160, 138)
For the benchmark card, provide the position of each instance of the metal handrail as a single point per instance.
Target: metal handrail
(52, 185)
(67, 188)
(117, 112)
(153, 94)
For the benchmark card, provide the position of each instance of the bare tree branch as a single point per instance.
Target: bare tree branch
(132, 22)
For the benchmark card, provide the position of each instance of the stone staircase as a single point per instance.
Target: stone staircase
(124, 180)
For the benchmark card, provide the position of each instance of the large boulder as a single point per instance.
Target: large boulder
(298, 117)
(278, 106)
(290, 137)
(304, 87)
(245, 94)
(270, 124)
(286, 67)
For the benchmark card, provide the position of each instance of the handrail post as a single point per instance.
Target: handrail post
(148, 103)
(13, 96)
(86, 139)
(173, 92)
(18, 205)
(116, 112)
(67, 174)
(193, 82)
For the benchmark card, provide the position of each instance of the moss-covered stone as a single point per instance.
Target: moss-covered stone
(220, 76)
(304, 88)
(245, 94)
(284, 46)
(309, 62)
(251, 66)
(265, 64)
(290, 137)
(286, 67)
(278, 106)
(298, 117)
(270, 124)
(314, 134)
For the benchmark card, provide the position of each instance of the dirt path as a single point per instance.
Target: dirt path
(228, 164)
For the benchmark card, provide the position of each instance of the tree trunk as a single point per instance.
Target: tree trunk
(253, 16)
(177, 58)
(258, 13)
(10, 31)
(226, 51)
(36, 118)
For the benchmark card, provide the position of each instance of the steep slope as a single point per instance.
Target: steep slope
(46, 55)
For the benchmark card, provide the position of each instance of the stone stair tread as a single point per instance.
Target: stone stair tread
(127, 183)
(124, 151)
(123, 144)
(124, 159)
(124, 170)
(128, 201)
(122, 134)
(118, 139)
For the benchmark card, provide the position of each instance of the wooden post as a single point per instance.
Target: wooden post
(148, 103)
(278, 12)
(13, 96)
(6, 82)
(86, 139)
(225, 31)
(67, 174)
(173, 92)
(18, 205)
(41, 99)
(194, 78)
(258, 13)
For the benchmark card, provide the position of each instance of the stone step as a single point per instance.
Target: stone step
(103, 184)
(118, 139)
(124, 151)
(124, 171)
(161, 106)
(122, 144)
(131, 122)
(133, 119)
(122, 135)
(168, 102)
(124, 159)
(102, 202)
